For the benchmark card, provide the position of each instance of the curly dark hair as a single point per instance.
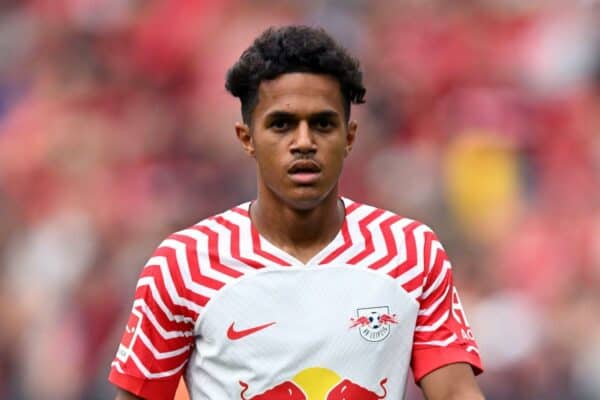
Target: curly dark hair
(294, 48)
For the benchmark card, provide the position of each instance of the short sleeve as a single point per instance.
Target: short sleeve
(442, 333)
(159, 334)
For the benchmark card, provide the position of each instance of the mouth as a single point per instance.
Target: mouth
(304, 172)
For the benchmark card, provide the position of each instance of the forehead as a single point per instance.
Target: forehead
(299, 92)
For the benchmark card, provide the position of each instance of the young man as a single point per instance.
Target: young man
(299, 294)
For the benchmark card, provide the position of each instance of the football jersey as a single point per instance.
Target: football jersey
(242, 319)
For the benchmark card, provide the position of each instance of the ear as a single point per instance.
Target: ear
(242, 131)
(351, 135)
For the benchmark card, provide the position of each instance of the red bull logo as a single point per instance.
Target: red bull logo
(373, 323)
(317, 384)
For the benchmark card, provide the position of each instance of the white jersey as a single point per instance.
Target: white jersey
(242, 319)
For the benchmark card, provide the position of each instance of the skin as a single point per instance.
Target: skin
(451, 382)
(300, 116)
(124, 395)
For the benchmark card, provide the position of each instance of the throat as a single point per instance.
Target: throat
(300, 233)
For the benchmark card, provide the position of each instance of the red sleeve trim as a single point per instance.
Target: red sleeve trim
(428, 360)
(158, 389)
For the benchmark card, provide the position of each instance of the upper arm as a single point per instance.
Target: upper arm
(451, 382)
(158, 337)
(123, 395)
(181, 393)
(442, 334)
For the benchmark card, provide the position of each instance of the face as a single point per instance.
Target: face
(299, 138)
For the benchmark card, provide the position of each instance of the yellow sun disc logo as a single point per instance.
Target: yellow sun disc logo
(316, 382)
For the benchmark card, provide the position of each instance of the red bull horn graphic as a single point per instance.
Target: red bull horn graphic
(348, 390)
(284, 391)
(317, 384)
(373, 323)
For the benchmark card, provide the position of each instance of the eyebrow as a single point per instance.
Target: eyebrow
(288, 115)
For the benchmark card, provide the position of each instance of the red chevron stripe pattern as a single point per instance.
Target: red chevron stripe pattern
(191, 266)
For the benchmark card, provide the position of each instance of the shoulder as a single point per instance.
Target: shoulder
(193, 262)
(372, 216)
(214, 225)
(183, 247)
(403, 248)
(405, 238)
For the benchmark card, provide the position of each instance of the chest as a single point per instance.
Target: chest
(274, 325)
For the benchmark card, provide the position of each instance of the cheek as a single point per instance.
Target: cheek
(267, 161)
(269, 145)
(337, 158)
(263, 151)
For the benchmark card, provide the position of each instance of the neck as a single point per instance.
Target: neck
(300, 232)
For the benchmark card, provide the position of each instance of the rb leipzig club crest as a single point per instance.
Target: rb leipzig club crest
(373, 323)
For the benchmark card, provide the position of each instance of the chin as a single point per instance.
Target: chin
(305, 200)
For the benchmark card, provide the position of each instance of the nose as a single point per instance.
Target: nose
(304, 141)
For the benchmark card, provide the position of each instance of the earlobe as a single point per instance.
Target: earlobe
(351, 137)
(243, 134)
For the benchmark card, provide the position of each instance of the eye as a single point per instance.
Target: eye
(279, 125)
(323, 124)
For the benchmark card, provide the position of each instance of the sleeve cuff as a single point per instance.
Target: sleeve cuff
(428, 360)
(158, 389)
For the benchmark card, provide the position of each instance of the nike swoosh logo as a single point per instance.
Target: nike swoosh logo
(235, 335)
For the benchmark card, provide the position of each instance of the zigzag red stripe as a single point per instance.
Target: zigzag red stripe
(411, 251)
(437, 317)
(213, 253)
(437, 313)
(191, 254)
(444, 333)
(144, 292)
(129, 367)
(169, 255)
(390, 245)
(153, 365)
(351, 208)
(444, 289)
(369, 246)
(343, 247)
(160, 343)
(413, 284)
(433, 275)
(241, 211)
(436, 268)
(235, 242)
(258, 249)
(429, 238)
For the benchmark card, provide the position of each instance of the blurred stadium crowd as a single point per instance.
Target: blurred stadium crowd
(482, 120)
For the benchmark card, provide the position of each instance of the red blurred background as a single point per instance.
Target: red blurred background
(482, 120)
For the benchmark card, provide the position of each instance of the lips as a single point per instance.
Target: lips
(304, 166)
(304, 171)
